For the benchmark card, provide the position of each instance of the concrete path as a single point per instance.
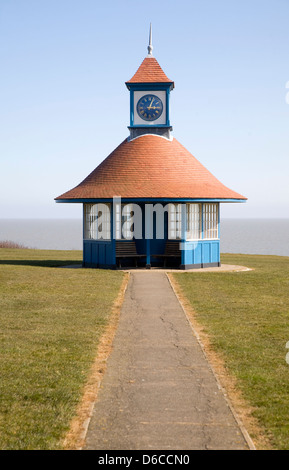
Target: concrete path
(158, 391)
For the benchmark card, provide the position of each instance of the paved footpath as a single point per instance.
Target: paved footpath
(158, 391)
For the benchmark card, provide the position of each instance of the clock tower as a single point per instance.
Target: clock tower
(150, 202)
(150, 98)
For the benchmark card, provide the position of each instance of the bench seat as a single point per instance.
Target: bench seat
(172, 250)
(126, 249)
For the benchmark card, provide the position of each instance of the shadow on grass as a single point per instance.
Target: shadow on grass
(41, 263)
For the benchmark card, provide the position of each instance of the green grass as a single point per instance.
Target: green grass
(246, 316)
(50, 322)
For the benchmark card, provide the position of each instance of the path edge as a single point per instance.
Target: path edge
(239, 422)
(76, 435)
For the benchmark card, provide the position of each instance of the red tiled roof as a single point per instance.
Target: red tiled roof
(150, 167)
(150, 72)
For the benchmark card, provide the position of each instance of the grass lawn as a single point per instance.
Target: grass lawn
(50, 322)
(246, 316)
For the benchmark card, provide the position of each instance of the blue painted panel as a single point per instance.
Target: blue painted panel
(110, 254)
(206, 258)
(189, 252)
(98, 252)
(192, 252)
(158, 246)
(131, 107)
(149, 86)
(140, 246)
(101, 254)
(86, 253)
(197, 253)
(215, 252)
(95, 253)
(201, 252)
(168, 108)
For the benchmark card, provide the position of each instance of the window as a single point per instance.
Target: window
(175, 221)
(117, 208)
(194, 222)
(97, 221)
(211, 220)
(127, 224)
(124, 220)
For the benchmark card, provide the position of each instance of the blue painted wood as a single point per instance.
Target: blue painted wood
(201, 252)
(86, 253)
(149, 86)
(148, 252)
(206, 252)
(98, 253)
(158, 246)
(215, 252)
(168, 107)
(131, 107)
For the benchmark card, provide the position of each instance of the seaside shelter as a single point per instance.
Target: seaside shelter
(150, 202)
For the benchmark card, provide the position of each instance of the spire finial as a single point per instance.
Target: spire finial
(150, 46)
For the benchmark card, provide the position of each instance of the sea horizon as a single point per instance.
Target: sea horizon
(245, 236)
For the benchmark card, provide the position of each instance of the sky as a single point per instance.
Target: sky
(64, 106)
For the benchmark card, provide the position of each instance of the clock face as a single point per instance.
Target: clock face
(150, 107)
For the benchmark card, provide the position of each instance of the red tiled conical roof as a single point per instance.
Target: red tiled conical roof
(150, 166)
(150, 72)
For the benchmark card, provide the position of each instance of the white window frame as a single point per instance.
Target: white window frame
(97, 221)
(127, 222)
(124, 221)
(210, 221)
(175, 221)
(194, 221)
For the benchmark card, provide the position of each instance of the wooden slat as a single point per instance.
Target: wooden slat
(126, 249)
(172, 249)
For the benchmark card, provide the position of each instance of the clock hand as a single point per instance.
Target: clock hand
(150, 106)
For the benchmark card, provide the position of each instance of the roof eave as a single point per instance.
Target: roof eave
(170, 85)
(149, 199)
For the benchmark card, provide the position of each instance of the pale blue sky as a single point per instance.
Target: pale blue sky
(64, 105)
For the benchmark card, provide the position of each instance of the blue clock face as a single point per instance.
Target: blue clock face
(150, 107)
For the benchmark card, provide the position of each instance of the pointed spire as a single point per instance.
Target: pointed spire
(150, 46)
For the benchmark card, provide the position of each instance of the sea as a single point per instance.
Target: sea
(247, 236)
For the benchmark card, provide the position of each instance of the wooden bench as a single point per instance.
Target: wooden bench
(172, 250)
(126, 249)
